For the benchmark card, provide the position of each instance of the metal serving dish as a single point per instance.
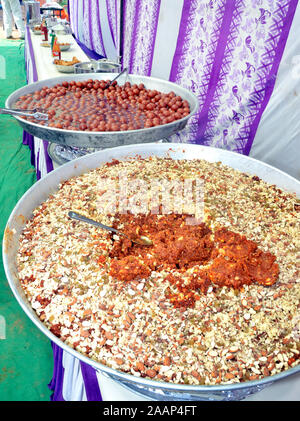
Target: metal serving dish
(40, 191)
(105, 139)
(98, 66)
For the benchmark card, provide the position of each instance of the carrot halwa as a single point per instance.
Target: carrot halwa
(215, 302)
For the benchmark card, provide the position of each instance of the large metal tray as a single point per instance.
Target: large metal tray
(49, 184)
(105, 139)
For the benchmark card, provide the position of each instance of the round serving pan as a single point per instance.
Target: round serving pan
(105, 139)
(40, 191)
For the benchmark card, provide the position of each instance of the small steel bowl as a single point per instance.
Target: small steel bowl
(96, 140)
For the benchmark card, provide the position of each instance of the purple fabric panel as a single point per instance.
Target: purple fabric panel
(134, 32)
(92, 54)
(197, 82)
(224, 79)
(215, 71)
(273, 72)
(26, 56)
(111, 15)
(76, 15)
(140, 35)
(28, 140)
(72, 15)
(56, 384)
(118, 17)
(49, 163)
(91, 384)
(237, 71)
(29, 58)
(128, 32)
(91, 29)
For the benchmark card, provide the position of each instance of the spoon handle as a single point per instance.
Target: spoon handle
(78, 217)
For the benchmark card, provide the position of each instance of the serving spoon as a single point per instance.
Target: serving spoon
(142, 240)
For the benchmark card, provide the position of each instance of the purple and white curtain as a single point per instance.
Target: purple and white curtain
(226, 51)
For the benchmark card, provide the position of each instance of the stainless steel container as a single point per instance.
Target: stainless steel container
(49, 184)
(105, 139)
(98, 66)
